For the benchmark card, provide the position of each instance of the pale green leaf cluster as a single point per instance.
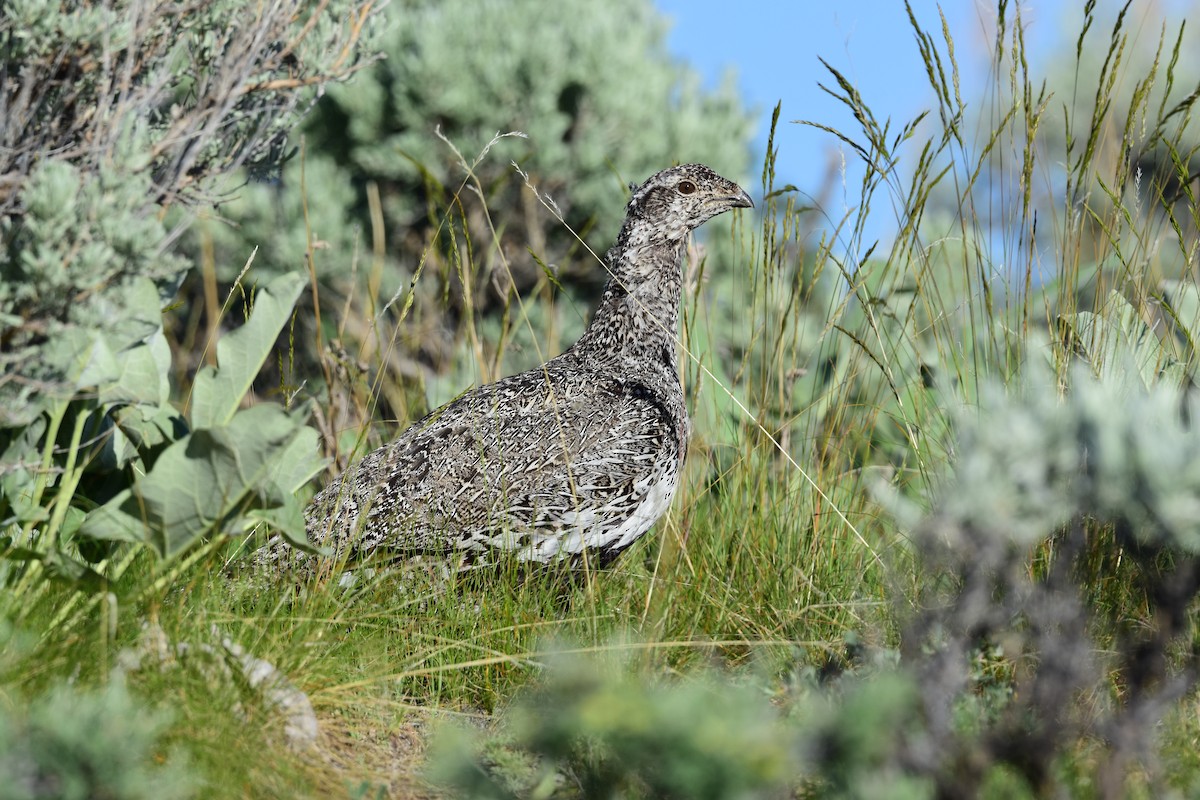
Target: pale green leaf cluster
(151, 109)
(615, 737)
(40, 26)
(591, 84)
(234, 465)
(118, 117)
(70, 744)
(86, 262)
(1108, 448)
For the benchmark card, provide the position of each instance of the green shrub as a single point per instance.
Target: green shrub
(118, 117)
(588, 730)
(1042, 485)
(82, 745)
(113, 114)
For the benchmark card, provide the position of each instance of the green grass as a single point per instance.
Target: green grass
(823, 371)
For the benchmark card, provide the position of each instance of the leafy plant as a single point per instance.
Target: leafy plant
(186, 99)
(79, 745)
(233, 466)
(589, 731)
(93, 450)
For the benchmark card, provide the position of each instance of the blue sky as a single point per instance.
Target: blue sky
(773, 48)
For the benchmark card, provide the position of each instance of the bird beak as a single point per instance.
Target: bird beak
(740, 200)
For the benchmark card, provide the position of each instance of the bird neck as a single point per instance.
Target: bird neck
(638, 315)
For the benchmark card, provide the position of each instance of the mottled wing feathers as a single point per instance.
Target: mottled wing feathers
(518, 465)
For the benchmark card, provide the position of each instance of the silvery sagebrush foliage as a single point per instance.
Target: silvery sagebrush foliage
(566, 83)
(74, 744)
(588, 730)
(111, 113)
(116, 117)
(1046, 466)
(1107, 448)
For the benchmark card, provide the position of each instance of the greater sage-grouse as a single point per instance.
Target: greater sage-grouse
(576, 458)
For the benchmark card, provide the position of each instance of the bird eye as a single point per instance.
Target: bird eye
(686, 187)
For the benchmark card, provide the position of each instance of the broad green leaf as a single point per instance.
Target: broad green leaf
(111, 523)
(62, 568)
(134, 430)
(299, 463)
(117, 452)
(204, 481)
(127, 361)
(288, 519)
(98, 364)
(142, 375)
(150, 427)
(217, 392)
(192, 488)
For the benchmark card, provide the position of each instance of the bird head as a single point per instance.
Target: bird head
(680, 199)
